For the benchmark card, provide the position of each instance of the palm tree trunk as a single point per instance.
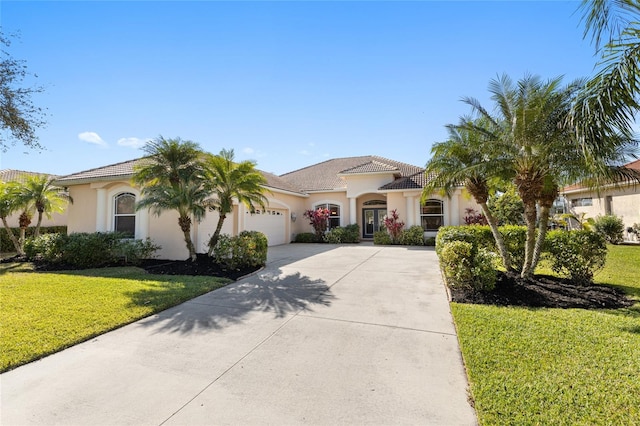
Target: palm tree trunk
(36, 232)
(216, 235)
(502, 249)
(530, 220)
(185, 226)
(542, 233)
(14, 240)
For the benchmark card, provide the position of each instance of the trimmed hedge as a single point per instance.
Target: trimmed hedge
(467, 266)
(577, 254)
(347, 234)
(247, 249)
(6, 246)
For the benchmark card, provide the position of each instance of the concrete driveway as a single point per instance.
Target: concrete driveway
(325, 334)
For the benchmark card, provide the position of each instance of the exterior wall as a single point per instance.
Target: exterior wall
(625, 203)
(57, 219)
(81, 215)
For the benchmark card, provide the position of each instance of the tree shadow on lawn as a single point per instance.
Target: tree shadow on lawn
(266, 291)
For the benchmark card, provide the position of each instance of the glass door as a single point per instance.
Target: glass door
(372, 221)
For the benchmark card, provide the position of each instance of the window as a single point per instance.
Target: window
(125, 214)
(581, 202)
(334, 214)
(431, 215)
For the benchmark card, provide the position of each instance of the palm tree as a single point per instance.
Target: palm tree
(228, 181)
(38, 194)
(604, 112)
(533, 143)
(171, 178)
(461, 160)
(8, 205)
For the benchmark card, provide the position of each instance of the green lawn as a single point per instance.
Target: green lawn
(42, 313)
(557, 366)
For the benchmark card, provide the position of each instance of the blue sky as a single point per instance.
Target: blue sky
(287, 84)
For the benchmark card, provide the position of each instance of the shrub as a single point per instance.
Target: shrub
(466, 266)
(479, 236)
(515, 238)
(577, 254)
(47, 247)
(246, 250)
(348, 234)
(7, 246)
(430, 241)
(473, 217)
(414, 236)
(84, 250)
(394, 226)
(381, 238)
(319, 219)
(611, 227)
(305, 237)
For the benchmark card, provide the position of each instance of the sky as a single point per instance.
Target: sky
(287, 84)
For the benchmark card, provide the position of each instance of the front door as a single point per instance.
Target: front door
(373, 220)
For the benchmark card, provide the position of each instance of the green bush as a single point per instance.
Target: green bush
(515, 237)
(414, 236)
(577, 254)
(305, 237)
(611, 227)
(430, 241)
(6, 246)
(478, 235)
(248, 249)
(381, 238)
(347, 234)
(84, 250)
(466, 266)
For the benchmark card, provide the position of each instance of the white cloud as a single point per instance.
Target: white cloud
(304, 152)
(132, 142)
(92, 137)
(248, 151)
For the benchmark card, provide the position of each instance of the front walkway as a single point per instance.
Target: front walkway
(354, 334)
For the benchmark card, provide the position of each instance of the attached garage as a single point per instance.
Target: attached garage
(271, 222)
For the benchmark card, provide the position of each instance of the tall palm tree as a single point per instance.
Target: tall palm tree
(40, 196)
(228, 181)
(171, 178)
(531, 140)
(461, 160)
(8, 206)
(604, 112)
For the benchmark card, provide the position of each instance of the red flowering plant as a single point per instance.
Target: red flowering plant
(394, 226)
(473, 217)
(319, 219)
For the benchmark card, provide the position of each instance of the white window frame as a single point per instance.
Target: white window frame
(440, 215)
(326, 205)
(116, 214)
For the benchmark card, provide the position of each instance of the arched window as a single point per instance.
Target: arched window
(334, 214)
(431, 215)
(124, 220)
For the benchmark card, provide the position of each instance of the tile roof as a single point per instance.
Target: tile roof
(124, 170)
(325, 176)
(10, 175)
(633, 165)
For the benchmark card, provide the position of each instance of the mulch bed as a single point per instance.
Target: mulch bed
(544, 291)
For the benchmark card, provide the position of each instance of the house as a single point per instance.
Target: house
(10, 175)
(622, 199)
(356, 190)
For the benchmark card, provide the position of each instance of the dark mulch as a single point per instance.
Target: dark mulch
(544, 291)
(203, 265)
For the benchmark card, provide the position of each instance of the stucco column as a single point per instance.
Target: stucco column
(101, 210)
(143, 224)
(410, 211)
(352, 211)
(454, 214)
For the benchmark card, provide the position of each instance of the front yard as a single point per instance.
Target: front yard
(42, 313)
(557, 366)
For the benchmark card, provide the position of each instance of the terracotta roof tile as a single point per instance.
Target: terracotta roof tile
(118, 170)
(10, 175)
(325, 176)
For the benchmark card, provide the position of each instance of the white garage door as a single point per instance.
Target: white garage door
(271, 222)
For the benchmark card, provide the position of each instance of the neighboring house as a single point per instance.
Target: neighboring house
(10, 175)
(622, 199)
(356, 190)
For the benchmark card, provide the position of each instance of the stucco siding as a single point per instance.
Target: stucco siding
(81, 215)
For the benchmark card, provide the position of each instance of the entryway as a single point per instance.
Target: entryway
(372, 220)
